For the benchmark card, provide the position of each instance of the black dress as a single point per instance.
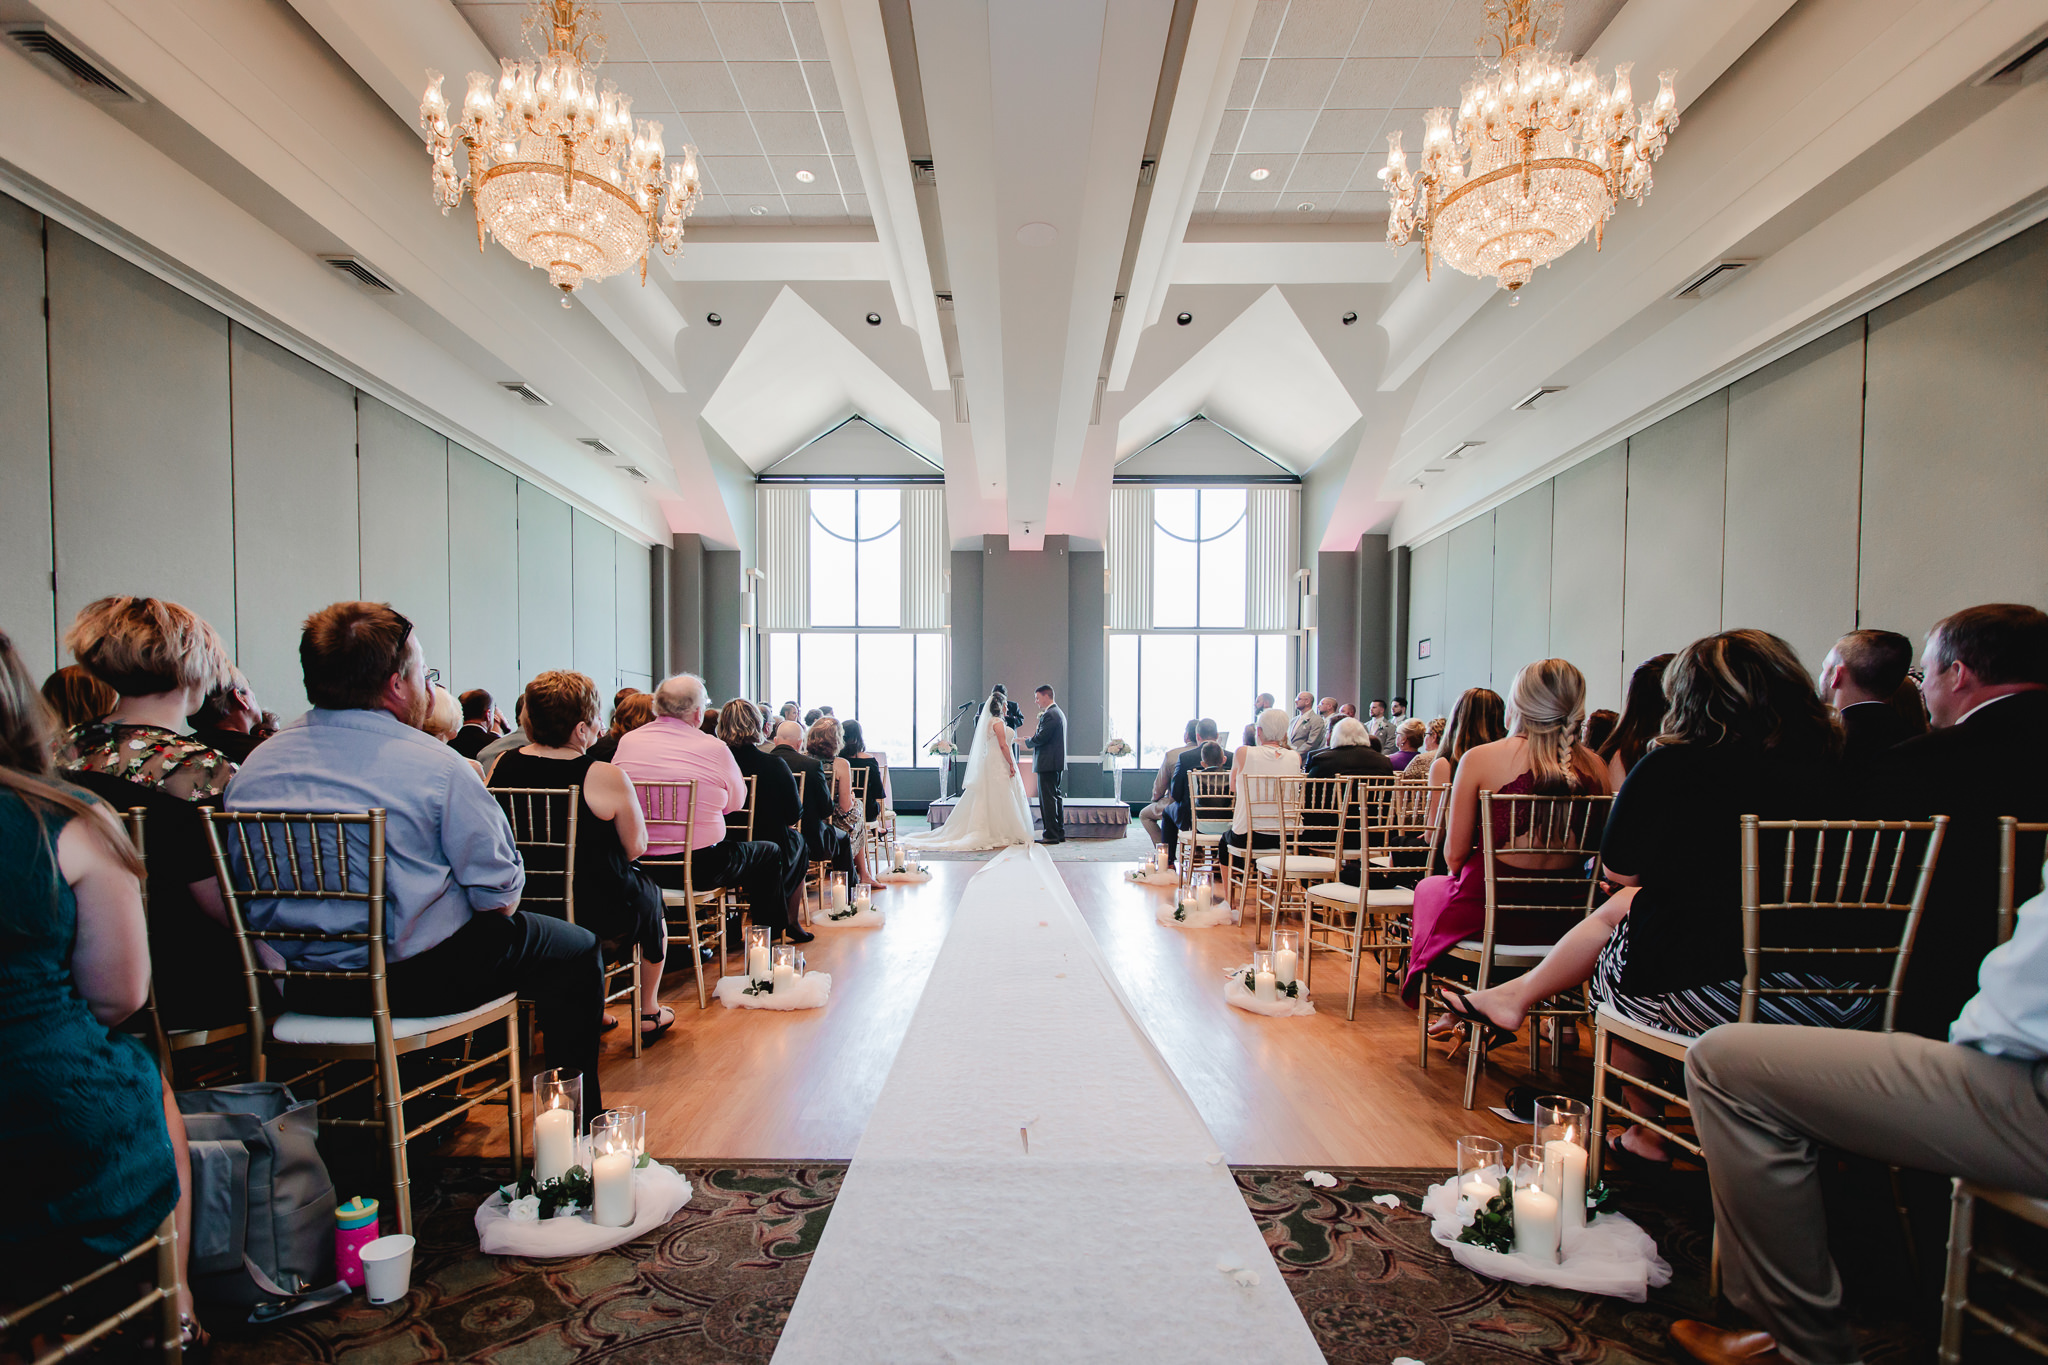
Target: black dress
(874, 783)
(614, 899)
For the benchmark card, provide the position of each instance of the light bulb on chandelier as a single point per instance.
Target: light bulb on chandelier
(1553, 149)
(560, 172)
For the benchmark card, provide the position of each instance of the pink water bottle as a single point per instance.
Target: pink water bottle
(355, 1227)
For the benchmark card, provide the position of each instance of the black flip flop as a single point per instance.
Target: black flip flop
(648, 1035)
(1634, 1164)
(1491, 1035)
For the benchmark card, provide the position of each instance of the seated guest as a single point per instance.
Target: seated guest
(672, 748)
(1380, 726)
(822, 842)
(1911, 706)
(1987, 690)
(1162, 785)
(1308, 730)
(229, 720)
(478, 714)
(1179, 807)
(507, 742)
(1408, 737)
(811, 718)
(1745, 735)
(88, 1112)
(1858, 679)
(1256, 824)
(855, 752)
(76, 697)
(823, 743)
(1480, 717)
(1349, 709)
(1418, 768)
(788, 711)
(1642, 719)
(444, 715)
(709, 724)
(162, 660)
(455, 936)
(629, 713)
(1541, 756)
(1350, 754)
(1767, 1100)
(1599, 725)
(777, 813)
(615, 899)
(1263, 704)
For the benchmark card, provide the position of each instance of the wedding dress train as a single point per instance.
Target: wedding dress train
(992, 811)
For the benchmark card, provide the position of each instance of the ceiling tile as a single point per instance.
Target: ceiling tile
(642, 82)
(1363, 204)
(803, 22)
(1584, 22)
(1399, 28)
(750, 32)
(1348, 130)
(849, 174)
(498, 26)
(1324, 174)
(1265, 27)
(742, 174)
(790, 134)
(857, 208)
(820, 167)
(1436, 81)
(1227, 130)
(1276, 167)
(1243, 207)
(621, 44)
(1216, 173)
(1319, 28)
(1409, 122)
(672, 32)
(1276, 130)
(1371, 82)
(1297, 82)
(698, 85)
(772, 85)
(817, 208)
(1460, 33)
(1246, 86)
(1318, 211)
(824, 90)
(719, 134)
(838, 140)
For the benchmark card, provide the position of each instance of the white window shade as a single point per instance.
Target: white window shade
(1130, 557)
(925, 545)
(1274, 524)
(783, 526)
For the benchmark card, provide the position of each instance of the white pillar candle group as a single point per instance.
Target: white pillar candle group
(1536, 1226)
(1187, 903)
(785, 978)
(757, 962)
(838, 893)
(1283, 967)
(1564, 1178)
(1479, 1190)
(611, 1195)
(554, 1143)
(1262, 988)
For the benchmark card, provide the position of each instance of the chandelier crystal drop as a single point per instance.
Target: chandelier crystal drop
(1553, 149)
(560, 172)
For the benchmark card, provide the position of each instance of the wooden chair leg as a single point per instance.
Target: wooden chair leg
(514, 1134)
(1474, 1048)
(391, 1094)
(635, 1011)
(1597, 1124)
(1955, 1293)
(169, 1331)
(1422, 1024)
(696, 958)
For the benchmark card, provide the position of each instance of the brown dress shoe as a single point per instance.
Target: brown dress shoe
(1719, 1346)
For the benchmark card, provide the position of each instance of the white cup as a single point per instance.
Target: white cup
(387, 1268)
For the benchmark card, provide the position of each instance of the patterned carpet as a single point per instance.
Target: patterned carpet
(716, 1284)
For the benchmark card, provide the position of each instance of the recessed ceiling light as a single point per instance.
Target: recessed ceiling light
(874, 319)
(714, 319)
(758, 210)
(1350, 318)
(805, 176)
(1261, 173)
(1304, 207)
(1185, 318)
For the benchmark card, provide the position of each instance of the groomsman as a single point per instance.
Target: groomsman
(1049, 748)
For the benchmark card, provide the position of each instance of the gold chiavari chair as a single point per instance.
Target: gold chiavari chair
(168, 1042)
(816, 870)
(75, 1339)
(1261, 798)
(739, 824)
(544, 823)
(2009, 831)
(1851, 867)
(671, 812)
(1397, 846)
(1209, 802)
(269, 856)
(1315, 816)
(1563, 831)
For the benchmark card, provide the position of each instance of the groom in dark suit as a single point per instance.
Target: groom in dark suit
(1049, 748)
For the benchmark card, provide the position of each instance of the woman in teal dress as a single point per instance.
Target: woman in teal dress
(88, 1125)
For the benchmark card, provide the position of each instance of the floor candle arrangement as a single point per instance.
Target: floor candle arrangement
(582, 1194)
(1155, 871)
(904, 868)
(1202, 906)
(860, 912)
(775, 979)
(1269, 985)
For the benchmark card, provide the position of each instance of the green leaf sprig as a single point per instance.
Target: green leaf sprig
(1494, 1226)
(569, 1191)
(1601, 1198)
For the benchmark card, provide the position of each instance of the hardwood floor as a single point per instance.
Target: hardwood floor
(739, 1084)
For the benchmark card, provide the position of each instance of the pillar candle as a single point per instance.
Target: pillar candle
(1283, 966)
(611, 1197)
(838, 895)
(1262, 988)
(1536, 1230)
(1564, 1177)
(785, 980)
(863, 897)
(1187, 903)
(757, 963)
(554, 1143)
(1479, 1190)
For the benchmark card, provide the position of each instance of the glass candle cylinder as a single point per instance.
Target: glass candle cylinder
(1159, 857)
(557, 1122)
(863, 897)
(759, 937)
(1262, 977)
(1481, 1163)
(1537, 1229)
(784, 969)
(836, 890)
(1562, 1130)
(612, 1159)
(1286, 955)
(634, 1117)
(895, 856)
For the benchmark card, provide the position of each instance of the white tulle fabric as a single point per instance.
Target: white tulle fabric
(993, 811)
(1612, 1255)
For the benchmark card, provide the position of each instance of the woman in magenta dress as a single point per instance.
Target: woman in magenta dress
(1542, 756)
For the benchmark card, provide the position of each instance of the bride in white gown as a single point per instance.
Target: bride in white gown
(993, 811)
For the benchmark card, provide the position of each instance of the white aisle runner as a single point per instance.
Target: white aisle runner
(949, 1242)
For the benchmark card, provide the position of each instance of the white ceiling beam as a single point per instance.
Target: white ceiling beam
(1208, 66)
(724, 261)
(1280, 262)
(644, 319)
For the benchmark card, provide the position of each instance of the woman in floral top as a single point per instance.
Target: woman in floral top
(162, 660)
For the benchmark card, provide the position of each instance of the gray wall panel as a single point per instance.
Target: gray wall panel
(1468, 607)
(28, 607)
(723, 629)
(547, 636)
(1521, 583)
(403, 490)
(963, 606)
(596, 599)
(1955, 489)
(1671, 582)
(296, 547)
(1084, 701)
(143, 480)
(483, 577)
(1337, 625)
(1025, 596)
(1428, 569)
(1589, 507)
(1376, 646)
(686, 603)
(1794, 432)
(635, 608)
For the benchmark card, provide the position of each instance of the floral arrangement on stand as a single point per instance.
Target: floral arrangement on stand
(944, 748)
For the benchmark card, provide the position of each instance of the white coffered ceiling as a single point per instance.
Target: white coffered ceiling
(1010, 209)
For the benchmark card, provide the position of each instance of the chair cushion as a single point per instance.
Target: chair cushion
(1299, 864)
(1606, 1015)
(1534, 952)
(350, 1031)
(1379, 898)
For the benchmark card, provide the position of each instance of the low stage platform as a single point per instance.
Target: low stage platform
(1088, 817)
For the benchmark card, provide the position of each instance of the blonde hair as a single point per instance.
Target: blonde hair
(444, 715)
(144, 646)
(1547, 707)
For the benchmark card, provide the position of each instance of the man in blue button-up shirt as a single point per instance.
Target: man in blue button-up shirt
(455, 936)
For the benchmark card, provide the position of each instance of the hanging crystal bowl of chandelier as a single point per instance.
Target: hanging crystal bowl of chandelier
(1552, 147)
(560, 172)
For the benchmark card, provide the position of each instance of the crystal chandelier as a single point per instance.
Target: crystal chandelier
(1553, 149)
(560, 174)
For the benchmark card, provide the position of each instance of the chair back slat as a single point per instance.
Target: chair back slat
(1562, 830)
(741, 822)
(1209, 794)
(1852, 868)
(670, 809)
(2010, 828)
(1402, 822)
(544, 826)
(1313, 815)
(860, 787)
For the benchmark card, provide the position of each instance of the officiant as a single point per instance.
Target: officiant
(1048, 744)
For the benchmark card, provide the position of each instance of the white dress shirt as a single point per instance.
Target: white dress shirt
(2008, 1016)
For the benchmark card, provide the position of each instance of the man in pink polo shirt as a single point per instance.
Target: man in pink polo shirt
(672, 748)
